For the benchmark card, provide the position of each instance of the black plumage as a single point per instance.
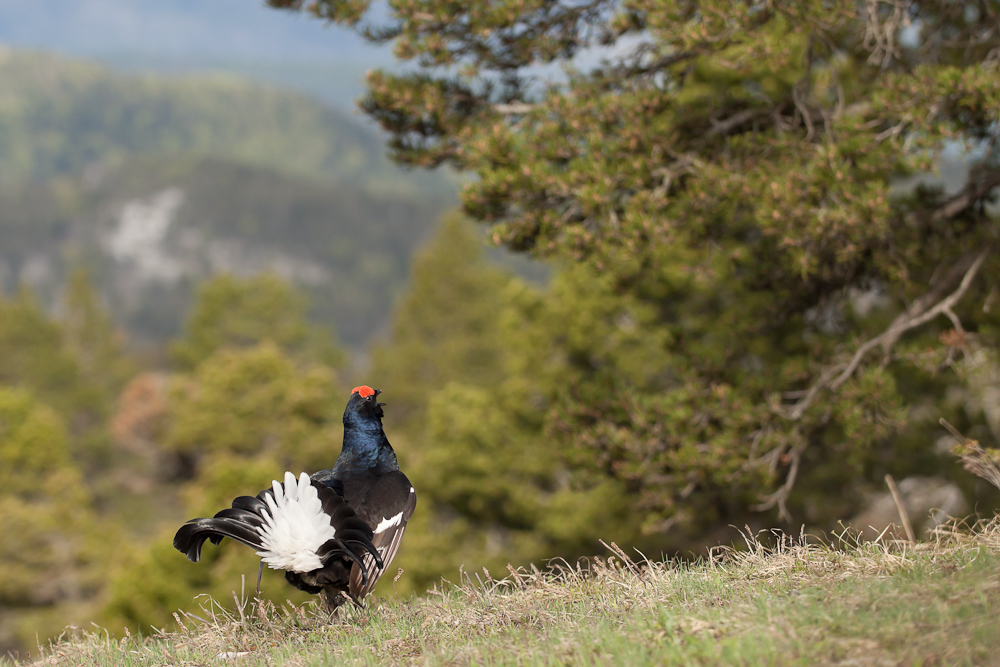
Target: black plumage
(365, 498)
(367, 475)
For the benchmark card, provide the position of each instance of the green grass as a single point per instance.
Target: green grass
(874, 604)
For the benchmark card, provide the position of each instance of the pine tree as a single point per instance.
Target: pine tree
(258, 399)
(728, 180)
(99, 349)
(235, 312)
(57, 385)
(33, 354)
(465, 379)
(50, 552)
(446, 326)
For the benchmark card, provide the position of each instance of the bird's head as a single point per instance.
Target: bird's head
(363, 405)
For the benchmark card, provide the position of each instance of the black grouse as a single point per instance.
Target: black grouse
(334, 532)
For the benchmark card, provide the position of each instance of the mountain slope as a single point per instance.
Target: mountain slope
(59, 115)
(151, 229)
(156, 182)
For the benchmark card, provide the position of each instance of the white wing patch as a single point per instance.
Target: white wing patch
(391, 522)
(296, 527)
(386, 524)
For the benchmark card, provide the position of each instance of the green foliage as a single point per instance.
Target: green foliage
(446, 326)
(58, 384)
(261, 400)
(234, 313)
(91, 337)
(446, 329)
(49, 552)
(256, 402)
(464, 379)
(35, 447)
(33, 356)
(58, 364)
(722, 193)
(258, 398)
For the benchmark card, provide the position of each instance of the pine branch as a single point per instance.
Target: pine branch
(513, 108)
(984, 463)
(976, 190)
(780, 497)
(921, 311)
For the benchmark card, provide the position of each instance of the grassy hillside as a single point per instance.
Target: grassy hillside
(933, 603)
(58, 116)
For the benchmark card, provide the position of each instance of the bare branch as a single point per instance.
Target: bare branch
(910, 535)
(780, 497)
(920, 312)
(981, 462)
(726, 126)
(881, 31)
(955, 322)
(513, 108)
(661, 63)
(972, 193)
(911, 318)
(802, 108)
(803, 403)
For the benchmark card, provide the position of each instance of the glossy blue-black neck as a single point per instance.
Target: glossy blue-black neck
(365, 444)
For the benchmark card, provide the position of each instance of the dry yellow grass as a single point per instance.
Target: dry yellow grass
(792, 602)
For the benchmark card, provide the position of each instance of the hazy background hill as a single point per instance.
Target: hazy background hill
(59, 115)
(155, 182)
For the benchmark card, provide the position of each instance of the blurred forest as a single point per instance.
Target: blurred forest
(760, 297)
(155, 182)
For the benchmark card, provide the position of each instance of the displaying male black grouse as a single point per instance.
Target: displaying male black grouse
(333, 533)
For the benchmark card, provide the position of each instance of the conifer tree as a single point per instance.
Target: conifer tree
(57, 385)
(49, 555)
(465, 378)
(728, 178)
(258, 399)
(242, 312)
(95, 343)
(447, 325)
(33, 354)
(48, 358)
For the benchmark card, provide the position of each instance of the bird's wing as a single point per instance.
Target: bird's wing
(389, 505)
(327, 527)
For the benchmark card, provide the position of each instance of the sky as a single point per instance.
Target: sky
(242, 37)
(180, 30)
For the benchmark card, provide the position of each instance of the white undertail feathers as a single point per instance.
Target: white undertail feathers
(296, 528)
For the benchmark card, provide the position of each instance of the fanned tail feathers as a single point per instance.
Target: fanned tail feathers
(299, 526)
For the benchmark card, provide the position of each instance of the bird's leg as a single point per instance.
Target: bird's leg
(332, 599)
